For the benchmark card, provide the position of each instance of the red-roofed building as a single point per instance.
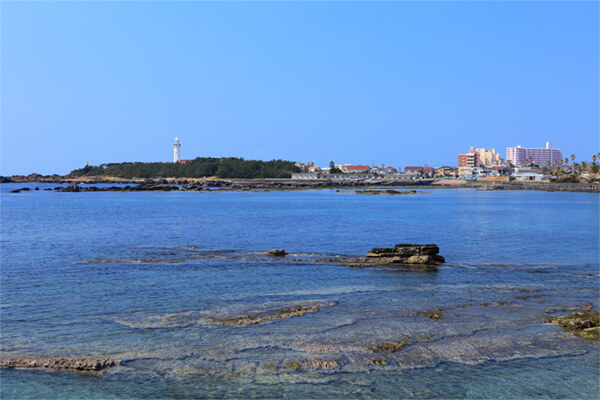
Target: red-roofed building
(354, 169)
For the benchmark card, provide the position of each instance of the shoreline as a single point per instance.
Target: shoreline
(206, 184)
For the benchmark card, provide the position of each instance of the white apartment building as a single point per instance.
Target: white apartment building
(543, 157)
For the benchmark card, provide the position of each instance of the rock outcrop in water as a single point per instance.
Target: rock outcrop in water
(80, 364)
(142, 187)
(386, 192)
(585, 324)
(25, 189)
(276, 253)
(426, 254)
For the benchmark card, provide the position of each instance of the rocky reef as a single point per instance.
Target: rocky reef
(386, 192)
(585, 324)
(143, 187)
(426, 254)
(255, 318)
(79, 364)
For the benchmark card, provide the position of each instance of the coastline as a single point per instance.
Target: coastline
(195, 184)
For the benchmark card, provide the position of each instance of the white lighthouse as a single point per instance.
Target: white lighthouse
(176, 151)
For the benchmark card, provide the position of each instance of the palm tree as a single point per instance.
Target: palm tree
(573, 159)
(585, 166)
(566, 161)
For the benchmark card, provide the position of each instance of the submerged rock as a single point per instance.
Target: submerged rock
(80, 364)
(435, 315)
(426, 254)
(584, 324)
(255, 318)
(379, 361)
(390, 347)
(316, 363)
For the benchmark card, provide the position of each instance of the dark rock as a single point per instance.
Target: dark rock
(20, 190)
(73, 187)
(385, 192)
(276, 253)
(407, 254)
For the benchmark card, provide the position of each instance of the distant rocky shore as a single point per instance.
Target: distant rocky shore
(212, 184)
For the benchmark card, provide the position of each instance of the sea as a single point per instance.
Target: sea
(155, 280)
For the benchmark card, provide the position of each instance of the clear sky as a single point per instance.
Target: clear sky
(400, 83)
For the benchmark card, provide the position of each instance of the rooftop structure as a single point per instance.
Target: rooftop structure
(545, 157)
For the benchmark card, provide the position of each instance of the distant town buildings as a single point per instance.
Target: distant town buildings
(488, 159)
(478, 163)
(546, 157)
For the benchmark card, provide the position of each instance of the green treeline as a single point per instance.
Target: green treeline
(198, 168)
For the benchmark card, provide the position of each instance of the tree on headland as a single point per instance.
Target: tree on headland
(225, 167)
(573, 162)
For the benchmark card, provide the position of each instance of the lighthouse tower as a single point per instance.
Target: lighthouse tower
(176, 151)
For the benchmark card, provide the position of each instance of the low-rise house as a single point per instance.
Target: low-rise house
(413, 171)
(466, 172)
(314, 169)
(384, 170)
(428, 172)
(446, 172)
(528, 176)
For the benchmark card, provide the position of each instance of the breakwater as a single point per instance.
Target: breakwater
(543, 186)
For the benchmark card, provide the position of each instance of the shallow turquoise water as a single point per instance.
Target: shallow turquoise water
(145, 276)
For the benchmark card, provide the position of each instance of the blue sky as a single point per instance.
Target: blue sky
(400, 83)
